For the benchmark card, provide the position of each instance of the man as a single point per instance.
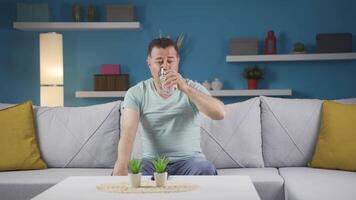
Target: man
(170, 122)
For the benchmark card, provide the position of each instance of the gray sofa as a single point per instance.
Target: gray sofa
(269, 139)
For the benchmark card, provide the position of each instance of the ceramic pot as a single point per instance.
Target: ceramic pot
(252, 84)
(216, 84)
(135, 180)
(160, 179)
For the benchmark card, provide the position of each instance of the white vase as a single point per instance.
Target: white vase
(160, 179)
(216, 84)
(135, 180)
(206, 84)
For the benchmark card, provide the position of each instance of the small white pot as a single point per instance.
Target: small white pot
(135, 180)
(216, 84)
(160, 179)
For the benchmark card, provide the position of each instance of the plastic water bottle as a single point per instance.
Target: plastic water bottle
(162, 77)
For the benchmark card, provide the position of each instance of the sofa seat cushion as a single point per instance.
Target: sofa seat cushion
(310, 183)
(268, 183)
(29, 183)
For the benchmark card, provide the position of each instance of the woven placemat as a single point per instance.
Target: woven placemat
(146, 187)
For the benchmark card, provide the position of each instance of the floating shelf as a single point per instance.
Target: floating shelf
(230, 93)
(74, 26)
(99, 94)
(292, 57)
(217, 93)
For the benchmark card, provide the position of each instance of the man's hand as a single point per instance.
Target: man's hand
(174, 78)
(206, 104)
(119, 171)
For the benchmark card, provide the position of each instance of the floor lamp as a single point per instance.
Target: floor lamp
(51, 69)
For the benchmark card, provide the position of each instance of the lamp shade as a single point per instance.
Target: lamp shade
(52, 96)
(51, 69)
(51, 59)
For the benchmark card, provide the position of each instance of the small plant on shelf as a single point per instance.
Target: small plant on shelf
(179, 41)
(252, 74)
(298, 47)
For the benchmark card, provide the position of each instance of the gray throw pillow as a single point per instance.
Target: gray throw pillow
(79, 136)
(290, 128)
(234, 141)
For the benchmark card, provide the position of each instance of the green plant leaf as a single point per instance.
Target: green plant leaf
(252, 72)
(160, 164)
(179, 41)
(135, 166)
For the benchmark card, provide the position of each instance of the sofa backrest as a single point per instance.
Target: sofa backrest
(79, 136)
(82, 137)
(290, 128)
(234, 141)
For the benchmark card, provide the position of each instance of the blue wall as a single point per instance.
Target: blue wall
(208, 24)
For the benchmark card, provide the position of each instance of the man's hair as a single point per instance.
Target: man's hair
(161, 43)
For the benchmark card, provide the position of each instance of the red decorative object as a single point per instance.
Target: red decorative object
(270, 43)
(252, 84)
(110, 69)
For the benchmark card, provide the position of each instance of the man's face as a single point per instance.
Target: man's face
(160, 57)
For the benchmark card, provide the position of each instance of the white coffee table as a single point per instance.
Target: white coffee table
(209, 187)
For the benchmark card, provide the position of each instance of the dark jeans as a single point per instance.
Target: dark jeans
(192, 166)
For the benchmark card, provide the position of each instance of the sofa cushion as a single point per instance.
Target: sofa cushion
(5, 105)
(336, 144)
(29, 183)
(268, 183)
(234, 141)
(310, 184)
(79, 136)
(347, 100)
(290, 128)
(18, 143)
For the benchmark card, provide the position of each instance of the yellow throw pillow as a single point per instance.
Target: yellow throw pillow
(18, 145)
(336, 146)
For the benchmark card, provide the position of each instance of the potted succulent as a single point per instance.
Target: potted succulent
(135, 166)
(298, 47)
(252, 74)
(160, 174)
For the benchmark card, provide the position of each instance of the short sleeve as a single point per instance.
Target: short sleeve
(133, 99)
(199, 87)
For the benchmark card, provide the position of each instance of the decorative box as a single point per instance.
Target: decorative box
(111, 82)
(243, 46)
(334, 42)
(120, 13)
(110, 69)
(37, 12)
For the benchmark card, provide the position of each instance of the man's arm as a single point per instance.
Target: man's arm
(127, 137)
(206, 104)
